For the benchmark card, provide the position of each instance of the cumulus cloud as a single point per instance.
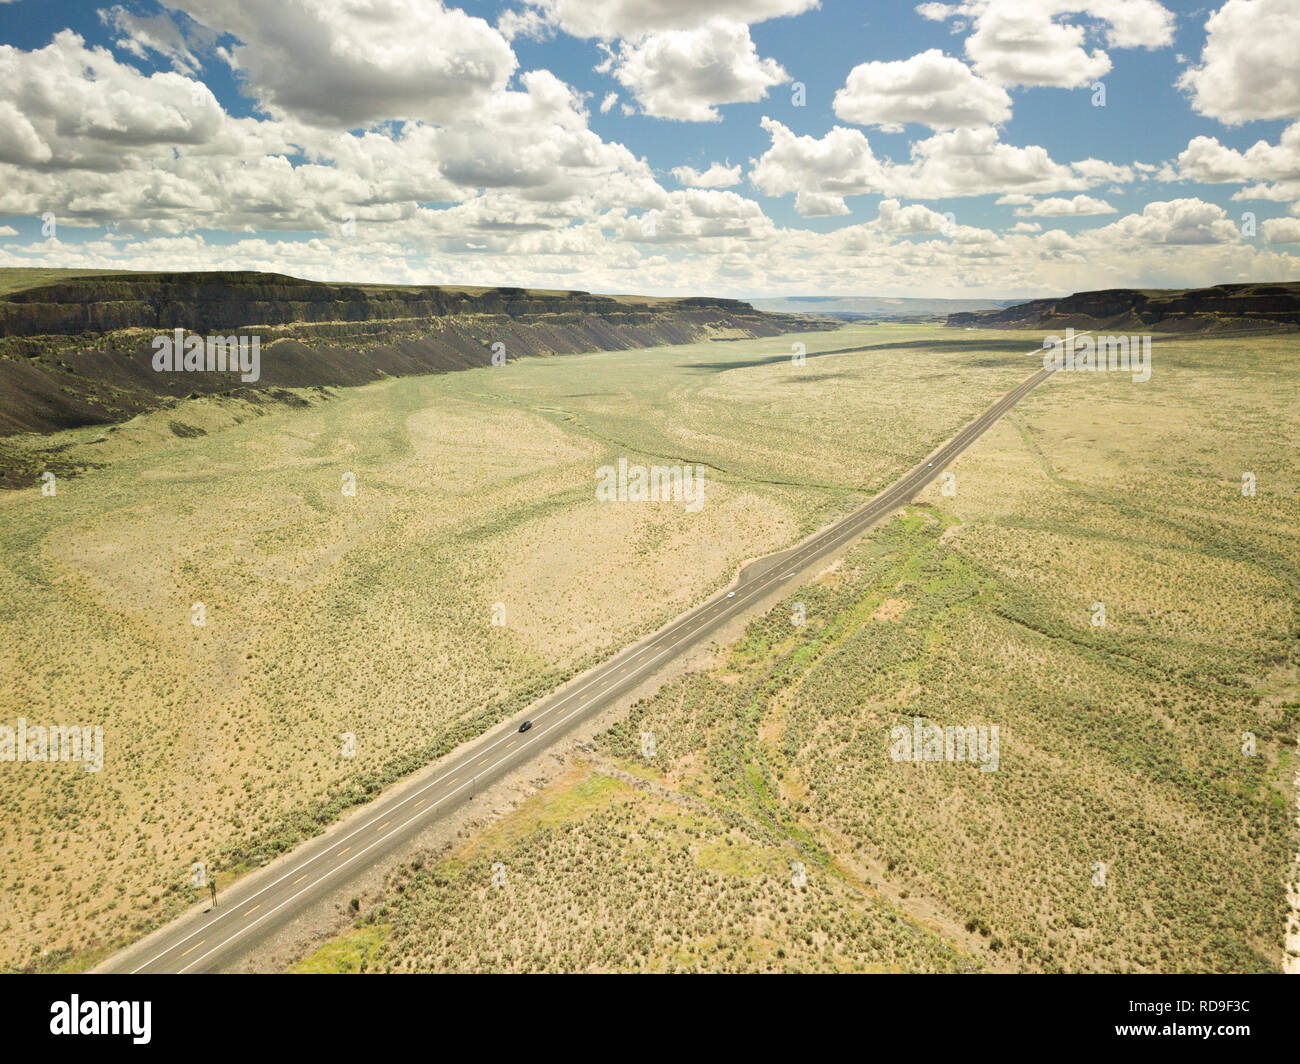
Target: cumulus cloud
(1248, 68)
(141, 35)
(699, 214)
(1045, 42)
(348, 63)
(1206, 159)
(1282, 230)
(931, 89)
(74, 120)
(19, 140)
(679, 59)
(612, 19)
(819, 205)
(613, 255)
(819, 171)
(66, 105)
(1060, 207)
(686, 74)
(962, 162)
(1174, 222)
(1265, 171)
(1274, 192)
(716, 176)
(536, 144)
(974, 162)
(1098, 171)
(891, 217)
(504, 172)
(527, 22)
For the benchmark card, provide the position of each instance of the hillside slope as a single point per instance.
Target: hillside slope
(78, 350)
(1225, 306)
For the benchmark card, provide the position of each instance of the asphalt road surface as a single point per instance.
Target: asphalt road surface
(254, 909)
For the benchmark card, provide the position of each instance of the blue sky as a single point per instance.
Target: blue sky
(940, 149)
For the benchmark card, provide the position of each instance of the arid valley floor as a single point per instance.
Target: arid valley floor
(1127, 826)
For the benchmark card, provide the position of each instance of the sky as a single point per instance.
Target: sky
(749, 148)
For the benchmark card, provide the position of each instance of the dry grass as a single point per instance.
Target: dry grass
(372, 615)
(600, 875)
(1119, 745)
(17, 278)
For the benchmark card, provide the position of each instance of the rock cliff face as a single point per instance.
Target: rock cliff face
(1225, 306)
(79, 351)
(208, 302)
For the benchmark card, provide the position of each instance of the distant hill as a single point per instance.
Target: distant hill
(853, 308)
(1223, 307)
(16, 278)
(71, 304)
(75, 348)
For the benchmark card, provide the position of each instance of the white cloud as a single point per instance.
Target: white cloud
(962, 162)
(537, 142)
(931, 89)
(1174, 222)
(97, 142)
(912, 219)
(819, 171)
(1265, 171)
(348, 63)
(700, 214)
(1098, 171)
(1275, 192)
(1045, 42)
(737, 252)
(518, 180)
(685, 74)
(974, 162)
(1282, 230)
(1059, 207)
(819, 205)
(19, 140)
(611, 19)
(1248, 67)
(528, 22)
(1205, 159)
(716, 176)
(67, 105)
(1030, 169)
(160, 33)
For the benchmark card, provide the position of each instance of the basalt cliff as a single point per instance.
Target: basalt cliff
(79, 350)
(1223, 308)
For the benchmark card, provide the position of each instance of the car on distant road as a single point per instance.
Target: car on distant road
(525, 725)
(731, 594)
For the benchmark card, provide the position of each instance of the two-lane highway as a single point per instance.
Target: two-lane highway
(255, 908)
